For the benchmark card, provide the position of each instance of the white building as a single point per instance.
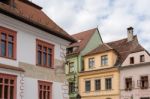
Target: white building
(135, 73)
(31, 53)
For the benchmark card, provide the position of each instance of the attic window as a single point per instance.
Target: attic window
(131, 60)
(142, 58)
(72, 49)
(69, 50)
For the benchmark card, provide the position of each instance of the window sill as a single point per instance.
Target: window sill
(8, 58)
(45, 66)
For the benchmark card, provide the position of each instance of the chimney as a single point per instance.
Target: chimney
(130, 33)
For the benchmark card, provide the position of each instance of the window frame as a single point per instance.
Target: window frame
(9, 32)
(71, 87)
(93, 62)
(87, 86)
(132, 60)
(47, 84)
(48, 46)
(71, 67)
(130, 81)
(142, 78)
(142, 58)
(104, 59)
(108, 87)
(9, 77)
(99, 85)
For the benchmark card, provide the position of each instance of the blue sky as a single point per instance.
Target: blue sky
(112, 17)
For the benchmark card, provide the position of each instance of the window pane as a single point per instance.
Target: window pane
(11, 81)
(49, 60)
(45, 49)
(97, 84)
(3, 48)
(39, 47)
(44, 58)
(40, 95)
(49, 51)
(3, 36)
(6, 92)
(10, 38)
(11, 92)
(6, 81)
(87, 86)
(1, 91)
(48, 96)
(44, 94)
(10, 50)
(1, 80)
(39, 57)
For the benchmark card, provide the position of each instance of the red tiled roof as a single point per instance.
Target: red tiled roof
(32, 14)
(83, 38)
(122, 47)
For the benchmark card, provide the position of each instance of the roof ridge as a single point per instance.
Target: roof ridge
(85, 31)
(120, 40)
(107, 45)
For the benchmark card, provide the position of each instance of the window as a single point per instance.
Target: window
(7, 43)
(71, 87)
(128, 84)
(142, 58)
(87, 86)
(131, 60)
(97, 84)
(45, 54)
(104, 60)
(7, 86)
(91, 62)
(108, 83)
(144, 82)
(71, 67)
(45, 90)
(70, 50)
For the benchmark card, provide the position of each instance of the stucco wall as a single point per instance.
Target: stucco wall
(114, 74)
(97, 57)
(26, 41)
(26, 59)
(136, 58)
(135, 73)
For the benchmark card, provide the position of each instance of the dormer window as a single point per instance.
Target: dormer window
(142, 58)
(69, 50)
(72, 49)
(131, 60)
(75, 48)
(104, 60)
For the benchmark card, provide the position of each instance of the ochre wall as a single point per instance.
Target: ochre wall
(111, 60)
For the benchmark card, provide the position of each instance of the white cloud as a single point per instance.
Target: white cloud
(112, 16)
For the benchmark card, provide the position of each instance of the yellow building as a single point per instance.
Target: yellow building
(100, 78)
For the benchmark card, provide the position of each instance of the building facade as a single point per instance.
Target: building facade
(31, 53)
(106, 69)
(100, 78)
(135, 76)
(87, 41)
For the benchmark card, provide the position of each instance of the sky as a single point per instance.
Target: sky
(112, 17)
